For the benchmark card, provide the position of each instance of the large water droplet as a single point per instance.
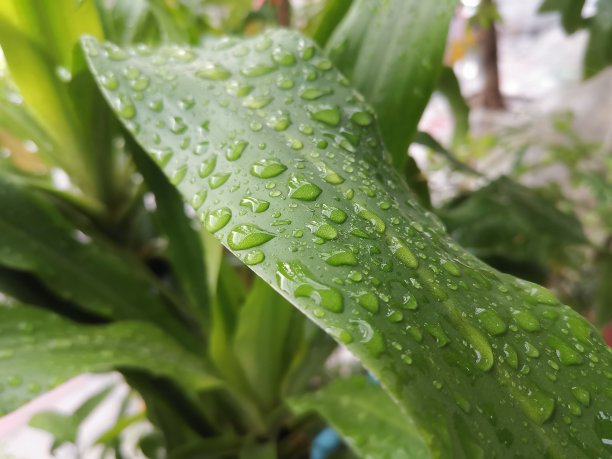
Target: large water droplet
(327, 114)
(368, 301)
(527, 321)
(295, 279)
(566, 354)
(217, 180)
(254, 258)
(334, 214)
(303, 190)
(283, 57)
(213, 71)
(235, 151)
(256, 70)
(362, 118)
(267, 168)
(403, 253)
(491, 321)
(247, 236)
(217, 219)
(342, 258)
(312, 93)
(255, 204)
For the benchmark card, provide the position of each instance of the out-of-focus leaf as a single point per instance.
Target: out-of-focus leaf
(341, 237)
(261, 340)
(368, 420)
(185, 249)
(598, 54)
(448, 85)
(65, 427)
(426, 139)
(84, 269)
(41, 350)
(392, 52)
(507, 221)
(323, 25)
(259, 451)
(570, 10)
(603, 288)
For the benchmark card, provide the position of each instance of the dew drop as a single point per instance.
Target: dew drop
(295, 279)
(362, 118)
(207, 166)
(327, 114)
(334, 214)
(254, 258)
(303, 190)
(527, 321)
(179, 174)
(267, 168)
(403, 253)
(313, 93)
(212, 71)
(256, 70)
(368, 301)
(491, 321)
(256, 205)
(564, 352)
(247, 236)
(283, 57)
(217, 219)
(235, 151)
(255, 102)
(217, 180)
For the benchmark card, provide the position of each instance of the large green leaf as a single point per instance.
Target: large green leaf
(284, 163)
(39, 350)
(570, 10)
(392, 52)
(366, 417)
(82, 268)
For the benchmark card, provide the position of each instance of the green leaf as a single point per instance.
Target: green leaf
(366, 418)
(82, 268)
(481, 361)
(65, 427)
(392, 52)
(598, 54)
(570, 10)
(40, 350)
(185, 248)
(261, 340)
(322, 26)
(506, 220)
(448, 85)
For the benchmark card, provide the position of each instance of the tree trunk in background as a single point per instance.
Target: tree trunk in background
(492, 97)
(284, 13)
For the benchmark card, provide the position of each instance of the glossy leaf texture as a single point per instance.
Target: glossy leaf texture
(39, 350)
(85, 269)
(366, 418)
(284, 163)
(392, 52)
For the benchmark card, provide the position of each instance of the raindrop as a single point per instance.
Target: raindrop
(235, 151)
(213, 71)
(313, 93)
(327, 114)
(303, 190)
(295, 279)
(207, 166)
(255, 257)
(256, 205)
(217, 219)
(267, 168)
(217, 180)
(247, 236)
(403, 253)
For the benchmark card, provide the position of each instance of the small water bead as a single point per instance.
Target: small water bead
(257, 102)
(310, 74)
(395, 316)
(306, 129)
(140, 84)
(491, 321)
(254, 258)
(530, 350)
(510, 355)
(527, 321)
(212, 71)
(217, 219)
(369, 336)
(256, 205)
(179, 174)
(327, 114)
(403, 253)
(255, 126)
(303, 190)
(295, 279)
(235, 151)
(198, 199)
(313, 92)
(247, 236)
(564, 352)
(219, 179)
(267, 168)
(177, 125)
(238, 89)
(257, 70)
(109, 81)
(368, 301)
(295, 144)
(362, 118)
(283, 57)
(279, 121)
(334, 214)
(582, 395)
(438, 333)
(329, 175)
(325, 231)
(207, 166)
(157, 105)
(187, 103)
(284, 82)
(125, 108)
